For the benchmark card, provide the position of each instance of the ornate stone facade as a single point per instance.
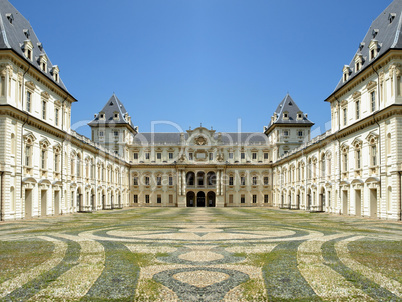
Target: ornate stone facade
(352, 169)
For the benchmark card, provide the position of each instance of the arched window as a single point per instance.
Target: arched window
(13, 144)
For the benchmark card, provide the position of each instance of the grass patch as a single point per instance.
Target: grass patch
(19, 256)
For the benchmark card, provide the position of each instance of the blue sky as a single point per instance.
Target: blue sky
(200, 61)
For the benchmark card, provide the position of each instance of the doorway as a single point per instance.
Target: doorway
(211, 198)
(190, 199)
(200, 199)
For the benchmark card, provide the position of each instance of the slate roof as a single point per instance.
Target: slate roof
(388, 34)
(227, 138)
(112, 105)
(13, 35)
(289, 105)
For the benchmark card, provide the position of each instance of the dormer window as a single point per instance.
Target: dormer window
(115, 115)
(346, 72)
(299, 116)
(101, 116)
(10, 18)
(28, 49)
(55, 72)
(373, 49)
(358, 62)
(374, 32)
(391, 17)
(43, 62)
(26, 33)
(286, 115)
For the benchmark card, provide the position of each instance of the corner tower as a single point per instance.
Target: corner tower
(289, 127)
(112, 127)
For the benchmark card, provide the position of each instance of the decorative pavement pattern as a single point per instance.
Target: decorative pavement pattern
(204, 254)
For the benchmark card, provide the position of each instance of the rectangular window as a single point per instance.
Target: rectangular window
(56, 116)
(170, 181)
(374, 155)
(300, 133)
(345, 163)
(135, 181)
(147, 180)
(254, 180)
(135, 155)
(190, 156)
(158, 181)
(357, 110)
(147, 155)
(135, 199)
(230, 198)
(43, 159)
(101, 133)
(170, 198)
(358, 159)
(243, 198)
(211, 156)
(254, 198)
(56, 162)
(266, 180)
(158, 199)
(116, 133)
(230, 155)
(266, 198)
(170, 155)
(243, 180)
(286, 132)
(372, 98)
(159, 156)
(266, 156)
(230, 180)
(345, 116)
(43, 110)
(146, 198)
(243, 155)
(254, 156)
(29, 100)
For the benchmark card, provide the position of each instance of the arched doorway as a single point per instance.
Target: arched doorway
(200, 199)
(103, 200)
(308, 200)
(93, 203)
(211, 199)
(79, 199)
(190, 199)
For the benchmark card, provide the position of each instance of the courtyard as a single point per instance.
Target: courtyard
(201, 254)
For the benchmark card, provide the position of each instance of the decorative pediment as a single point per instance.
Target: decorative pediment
(29, 138)
(344, 103)
(57, 148)
(344, 148)
(372, 138)
(45, 95)
(31, 85)
(44, 143)
(357, 143)
(57, 103)
(356, 95)
(371, 85)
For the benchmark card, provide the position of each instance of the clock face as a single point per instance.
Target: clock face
(200, 140)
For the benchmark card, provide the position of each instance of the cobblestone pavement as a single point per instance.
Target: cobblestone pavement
(204, 254)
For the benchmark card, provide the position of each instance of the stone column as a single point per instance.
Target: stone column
(218, 174)
(184, 182)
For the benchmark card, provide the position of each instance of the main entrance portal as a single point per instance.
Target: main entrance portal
(201, 199)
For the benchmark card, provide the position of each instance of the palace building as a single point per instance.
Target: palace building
(48, 169)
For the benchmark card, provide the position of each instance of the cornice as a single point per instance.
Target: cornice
(19, 62)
